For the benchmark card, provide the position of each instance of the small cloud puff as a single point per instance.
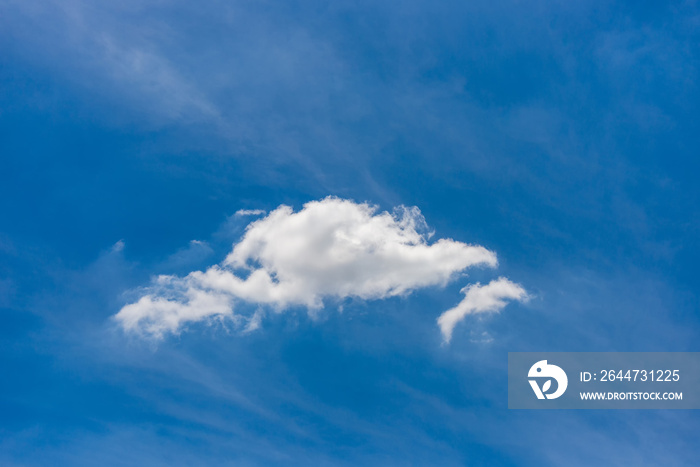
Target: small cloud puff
(492, 298)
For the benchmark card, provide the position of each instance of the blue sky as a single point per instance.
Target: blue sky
(562, 136)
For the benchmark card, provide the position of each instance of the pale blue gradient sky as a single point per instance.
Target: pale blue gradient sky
(561, 135)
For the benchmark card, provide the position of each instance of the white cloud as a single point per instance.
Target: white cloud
(172, 305)
(330, 249)
(250, 212)
(480, 299)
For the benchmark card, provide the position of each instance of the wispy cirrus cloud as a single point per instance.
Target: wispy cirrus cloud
(330, 249)
(249, 212)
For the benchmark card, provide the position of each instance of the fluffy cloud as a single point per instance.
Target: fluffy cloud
(480, 299)
(330, 249)
(173, 303)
